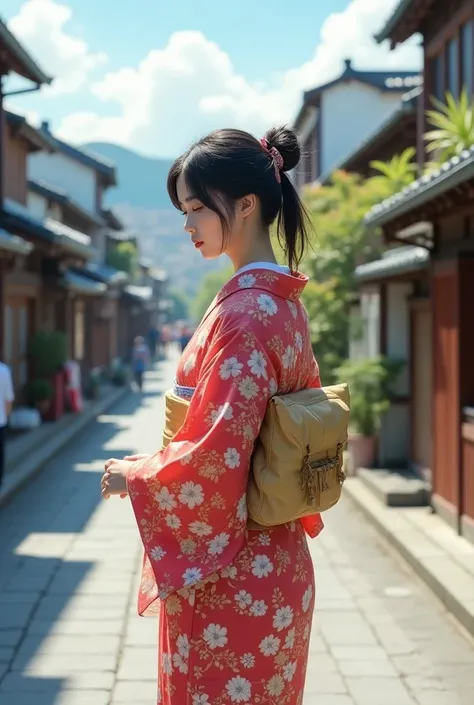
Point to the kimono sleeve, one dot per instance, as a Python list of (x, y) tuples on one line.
[(190, 499)]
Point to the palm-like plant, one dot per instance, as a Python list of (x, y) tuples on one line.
[(397, 173), (454, 127)]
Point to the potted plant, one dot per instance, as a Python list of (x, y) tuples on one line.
[(370, 383), (39, 393), (48, 353)]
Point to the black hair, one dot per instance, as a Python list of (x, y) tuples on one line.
[(227, 165)]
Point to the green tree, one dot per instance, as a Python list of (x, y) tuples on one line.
[(179, 310), (341, 242), (397, 173), (124, 257), (210, 285), (454, 127)]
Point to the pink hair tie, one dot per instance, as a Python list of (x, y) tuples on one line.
[(277, 159)]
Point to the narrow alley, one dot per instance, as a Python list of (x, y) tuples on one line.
[(69, 634)]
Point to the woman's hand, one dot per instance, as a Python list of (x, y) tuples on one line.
[(114, 479), (138, 456)]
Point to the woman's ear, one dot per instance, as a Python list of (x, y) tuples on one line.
[(247, 205)]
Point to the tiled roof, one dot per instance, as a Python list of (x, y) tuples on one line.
[(94, 161), (104, 273), (452, 173), (59, 195), (13, 243), (385, 81), (50, 230), (35, 137), (81, 284), (23, 63), (409, 13), (400, 260)]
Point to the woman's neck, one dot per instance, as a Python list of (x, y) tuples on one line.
[(260, 251)]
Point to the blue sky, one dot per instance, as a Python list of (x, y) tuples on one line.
[(153, 75)]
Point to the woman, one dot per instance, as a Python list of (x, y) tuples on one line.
[(235, 604)]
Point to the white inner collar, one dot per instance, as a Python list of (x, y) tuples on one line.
[(272, 266)]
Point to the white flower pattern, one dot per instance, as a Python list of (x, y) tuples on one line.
[(235, 605)]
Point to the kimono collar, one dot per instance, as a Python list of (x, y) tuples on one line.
[(286, 286)]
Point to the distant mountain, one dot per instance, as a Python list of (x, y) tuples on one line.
[(142, 202), (141, 180)]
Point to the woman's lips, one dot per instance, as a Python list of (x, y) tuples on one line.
[(198, 244)]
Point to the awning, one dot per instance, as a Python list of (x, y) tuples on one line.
[(103, 273), (401, 260), (73, 281), (72, 240), (13, 243), (140, 293), (52, 231)]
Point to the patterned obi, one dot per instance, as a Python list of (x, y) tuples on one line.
[(183, 392)]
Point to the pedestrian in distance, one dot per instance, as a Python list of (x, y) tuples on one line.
[(235, 600), (7, 398), (140, 360)]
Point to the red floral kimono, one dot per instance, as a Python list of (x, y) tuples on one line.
[(235, 606)]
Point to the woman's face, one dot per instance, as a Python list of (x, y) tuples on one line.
[(203, 225)]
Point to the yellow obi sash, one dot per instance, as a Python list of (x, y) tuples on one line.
[(176, 409)]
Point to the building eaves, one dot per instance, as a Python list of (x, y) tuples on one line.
[(49, 230), (102, 166), (36, 138), (384, 81), (81, 284), (104, 273), (404, 21), (112, 219), (451, 174), (396, 262), (18, 58), (55, 194), (13, 243)]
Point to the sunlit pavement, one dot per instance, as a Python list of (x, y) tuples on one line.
[(69, 633)]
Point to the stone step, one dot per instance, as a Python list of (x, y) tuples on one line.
[(396, 488)]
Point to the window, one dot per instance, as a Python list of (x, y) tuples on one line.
[(437, 77), (453, 67), (467, 56)]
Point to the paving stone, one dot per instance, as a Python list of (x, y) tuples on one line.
[(315, 699), (16, 682), (324, 684), (61, 644), (345, 628), (99, 627), (61, 697), (359, 653), (15, 616), (379, 691), (6, 653), (45, 665), (137, 664), (134, 692), (377, 669), (10, 637)]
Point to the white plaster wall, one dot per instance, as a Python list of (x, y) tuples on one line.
[(37, 205), (78, 180), (350, 112)]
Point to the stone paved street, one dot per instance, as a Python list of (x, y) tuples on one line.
[(69, 634)]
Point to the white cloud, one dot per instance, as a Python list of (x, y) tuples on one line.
[(40, 26), (189, 87)]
